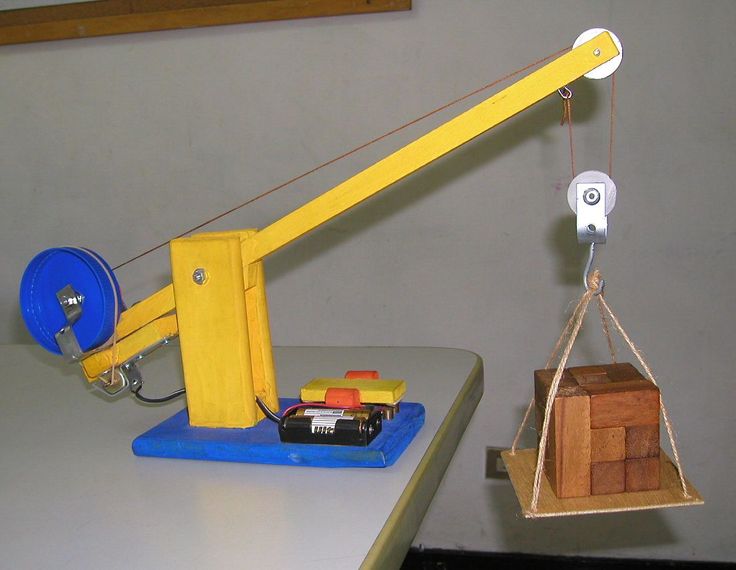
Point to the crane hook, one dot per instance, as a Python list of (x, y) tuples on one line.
[(586, 273)]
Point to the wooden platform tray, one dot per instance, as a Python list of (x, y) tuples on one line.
[(521, 468)]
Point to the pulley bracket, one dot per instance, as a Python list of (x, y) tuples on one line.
[(592, 196)]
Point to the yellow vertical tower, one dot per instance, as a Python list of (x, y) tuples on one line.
[(223, 328)]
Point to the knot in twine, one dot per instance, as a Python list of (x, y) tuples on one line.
[(595, 282)]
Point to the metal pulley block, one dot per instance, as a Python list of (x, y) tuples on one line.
[(592, 196)]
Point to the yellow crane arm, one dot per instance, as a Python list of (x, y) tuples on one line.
[(433, 145)]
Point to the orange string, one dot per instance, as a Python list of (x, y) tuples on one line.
[(567, 118), (611, 132)]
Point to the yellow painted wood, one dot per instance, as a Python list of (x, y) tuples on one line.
[(383, 391), (138, 328), (213, 330), (142, 313), (433, 145), (126, 348), (261, 350), (521, 468)]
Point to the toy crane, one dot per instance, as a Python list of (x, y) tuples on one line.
[(216, 303)]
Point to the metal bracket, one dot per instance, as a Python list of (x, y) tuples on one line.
[(592, 196), (125, 376), (592, 221), (71, 304)]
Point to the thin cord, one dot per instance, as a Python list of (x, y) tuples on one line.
[(564, 335), (567, 118), (569, 134), (606, 329), (346, 154), (147, 400), (650, 375), (611, 131), (583, 307)]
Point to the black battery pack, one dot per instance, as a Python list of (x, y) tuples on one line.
[(331, 426)]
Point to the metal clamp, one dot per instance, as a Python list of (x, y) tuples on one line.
[(71, 303), (125, 376)]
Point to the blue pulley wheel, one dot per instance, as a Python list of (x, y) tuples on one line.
[(89, 276)]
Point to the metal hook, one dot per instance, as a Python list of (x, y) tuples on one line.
[(565, 92), (586, 272)]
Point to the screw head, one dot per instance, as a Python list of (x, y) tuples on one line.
[(199, 276), (596, 52), (591, 196)]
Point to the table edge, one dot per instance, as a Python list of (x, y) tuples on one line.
[(395, 538)]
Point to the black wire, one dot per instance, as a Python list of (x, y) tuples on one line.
[(161, 400), (266, 410)]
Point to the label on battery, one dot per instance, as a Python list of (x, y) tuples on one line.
[(324, 420)]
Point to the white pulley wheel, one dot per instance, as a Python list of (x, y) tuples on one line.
[(592, 177), (606, 69)]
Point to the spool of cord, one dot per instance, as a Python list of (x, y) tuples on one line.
[(89, 276)]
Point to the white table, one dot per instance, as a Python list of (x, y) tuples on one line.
[(73, 495)]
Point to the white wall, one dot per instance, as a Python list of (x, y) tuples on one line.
[(120, 143)]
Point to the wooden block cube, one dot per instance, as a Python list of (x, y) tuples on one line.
[(642, 474), (607, 477), (604, 430), (642, 441), (607, 444)]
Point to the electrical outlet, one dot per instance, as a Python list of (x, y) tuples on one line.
[(495, 467)]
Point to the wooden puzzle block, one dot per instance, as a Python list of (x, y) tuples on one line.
[(642, 474), (630, 405), (604, 429), (642, 441), (567, 461), (608, 444), (589, 375), (607, 477)]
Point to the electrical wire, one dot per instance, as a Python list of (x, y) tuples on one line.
[(161, 400), (290, 409), (267, 411)]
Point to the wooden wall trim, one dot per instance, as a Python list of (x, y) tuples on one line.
[(108, 17)]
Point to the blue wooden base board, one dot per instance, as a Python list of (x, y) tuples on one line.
[(175, 438)]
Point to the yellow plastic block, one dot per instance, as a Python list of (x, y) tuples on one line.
[(371, 391)]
